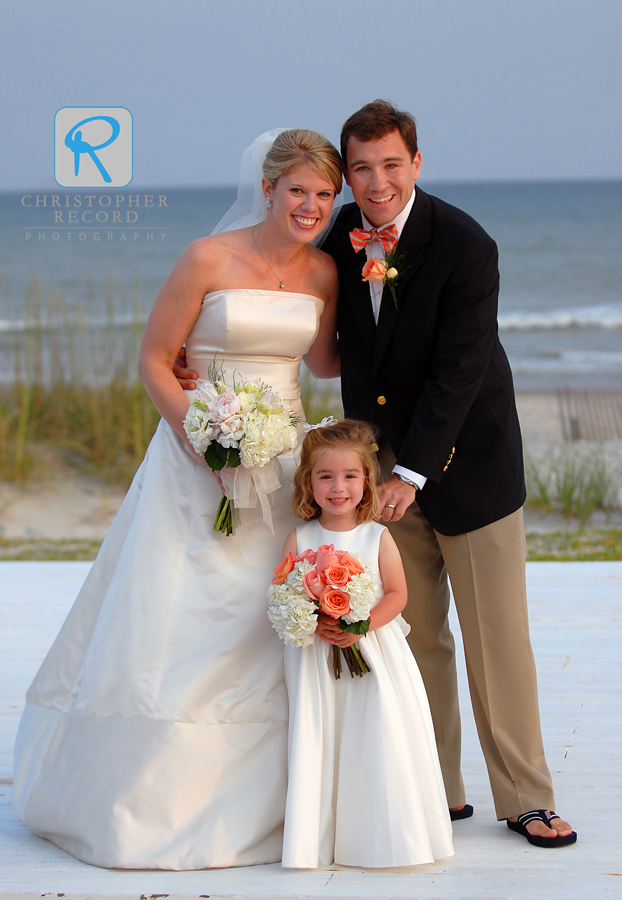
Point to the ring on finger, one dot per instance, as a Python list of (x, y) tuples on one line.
[(390, 505)]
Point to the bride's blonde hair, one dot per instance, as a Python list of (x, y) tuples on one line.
[(300, 145), (348, 434)]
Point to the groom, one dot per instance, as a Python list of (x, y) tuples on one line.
[(424, 365)]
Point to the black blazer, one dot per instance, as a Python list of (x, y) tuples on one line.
[(432, 375)]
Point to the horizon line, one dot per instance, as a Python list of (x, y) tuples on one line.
[(56, 189)]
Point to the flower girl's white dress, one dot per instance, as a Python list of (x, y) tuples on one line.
[(155, 733), (365, 785)]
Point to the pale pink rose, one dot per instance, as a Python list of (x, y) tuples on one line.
[(335, 603), (309, 555), (225, 405), (283, 569), (313, 583), (337, 575), (374, 270), (231, 431), (325, 557), (351, 562)]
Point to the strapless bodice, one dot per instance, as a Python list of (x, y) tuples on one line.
[(256, 334)]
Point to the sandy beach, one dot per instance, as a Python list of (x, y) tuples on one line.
[(73, 506)]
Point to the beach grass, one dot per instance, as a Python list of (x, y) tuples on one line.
[(70, 397), (572, 480), (102, 431), (47, 549), (70, 394), (588, 545)]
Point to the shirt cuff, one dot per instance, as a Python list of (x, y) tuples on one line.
[(419, 480)]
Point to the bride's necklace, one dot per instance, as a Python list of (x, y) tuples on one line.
[(281, 281)]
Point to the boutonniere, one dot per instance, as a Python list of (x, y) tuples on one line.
[(387, 270)]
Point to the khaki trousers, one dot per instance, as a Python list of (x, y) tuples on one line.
[(486, 568)]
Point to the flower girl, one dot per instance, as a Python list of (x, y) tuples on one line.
[(364, 786)]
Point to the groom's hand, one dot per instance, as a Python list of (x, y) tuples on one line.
[(186, 377), (395, 498)]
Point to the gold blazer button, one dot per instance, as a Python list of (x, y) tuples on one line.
[(382, 400)]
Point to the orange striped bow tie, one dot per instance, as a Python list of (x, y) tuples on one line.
[(387, 236)]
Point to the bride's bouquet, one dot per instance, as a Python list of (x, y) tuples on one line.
[(243, 426), (334, 582)]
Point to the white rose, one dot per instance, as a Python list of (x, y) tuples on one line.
[(206, 393), (231, 431), (247, 402)]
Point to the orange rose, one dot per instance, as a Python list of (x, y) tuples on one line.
[(306, 554), (313, 583), (325, 557), (374, 270), (352, 564), (283, 569), (337, 575), (335, 603)]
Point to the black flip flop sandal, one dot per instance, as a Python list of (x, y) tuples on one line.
[(541, 815)]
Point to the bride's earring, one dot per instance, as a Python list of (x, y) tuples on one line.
[(269, 202)]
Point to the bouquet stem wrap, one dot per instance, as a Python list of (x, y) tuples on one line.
[(245, 487)]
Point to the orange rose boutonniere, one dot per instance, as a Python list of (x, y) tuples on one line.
[(391, 267)]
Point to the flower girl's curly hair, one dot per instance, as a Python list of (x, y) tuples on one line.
[(352, 435)]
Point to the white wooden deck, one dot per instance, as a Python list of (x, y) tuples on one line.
[(576, 609)]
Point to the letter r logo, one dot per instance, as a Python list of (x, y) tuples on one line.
[(93, 146)]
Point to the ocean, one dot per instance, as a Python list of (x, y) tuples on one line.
[(560, 246)]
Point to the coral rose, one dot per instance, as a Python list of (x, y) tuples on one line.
[(335, 603), (309, 555), (374, 270), (325, 557), (352, 564), (283, 569), (337, 575), (313, 583)]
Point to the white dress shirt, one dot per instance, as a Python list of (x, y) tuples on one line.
[(375, 250)]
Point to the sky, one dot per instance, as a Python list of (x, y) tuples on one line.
[(501, 89)]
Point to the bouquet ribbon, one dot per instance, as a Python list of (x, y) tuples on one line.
[(247, 486)]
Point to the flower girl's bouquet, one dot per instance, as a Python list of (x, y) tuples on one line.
[(334, 582), (241, 427)]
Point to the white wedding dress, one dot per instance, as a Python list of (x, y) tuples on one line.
[(155, 733), (365, 785)]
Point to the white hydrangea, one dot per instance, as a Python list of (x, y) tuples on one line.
[(199, 427), (292, 613), (361, 589), (266, 436)]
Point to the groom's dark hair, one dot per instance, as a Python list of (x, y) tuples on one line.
[(376, 119)]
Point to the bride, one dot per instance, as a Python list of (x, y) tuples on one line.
[(155, 732)]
